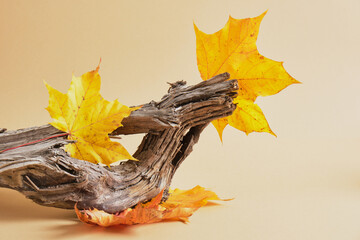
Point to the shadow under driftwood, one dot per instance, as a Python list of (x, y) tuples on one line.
[(15, 207)]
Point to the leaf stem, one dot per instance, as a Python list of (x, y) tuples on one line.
[(36, 141)]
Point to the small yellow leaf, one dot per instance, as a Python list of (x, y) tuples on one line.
[(88, 118), (193, 198), (248, 117), (233, 49), (180, 205)]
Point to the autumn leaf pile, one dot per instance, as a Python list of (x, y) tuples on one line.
[(179, 207), (88, 118)]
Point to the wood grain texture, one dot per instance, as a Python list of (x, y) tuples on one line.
[(46, 174)]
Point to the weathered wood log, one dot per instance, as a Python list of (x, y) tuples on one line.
[(45, 173)]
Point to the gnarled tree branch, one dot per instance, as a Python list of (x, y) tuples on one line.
[(46, 174)]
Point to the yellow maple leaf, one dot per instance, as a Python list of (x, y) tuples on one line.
[(248, 117), (233, 50), (88, 119), (180, 205)]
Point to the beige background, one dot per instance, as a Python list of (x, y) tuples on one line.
[(304, 184)]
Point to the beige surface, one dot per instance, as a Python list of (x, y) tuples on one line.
[(305, 184)]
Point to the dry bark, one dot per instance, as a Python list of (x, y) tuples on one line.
[(46, 174)]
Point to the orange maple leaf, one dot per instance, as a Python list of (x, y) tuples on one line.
[(88, 119), (180, 205), (233, 50)]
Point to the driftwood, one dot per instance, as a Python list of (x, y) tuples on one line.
[(45, 173)]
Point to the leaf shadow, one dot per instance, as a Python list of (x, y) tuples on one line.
[(77, 228)]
